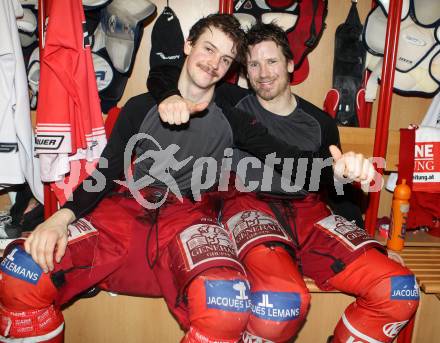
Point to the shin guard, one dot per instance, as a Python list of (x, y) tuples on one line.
[(387, 298), (279, 297), (26, 301)]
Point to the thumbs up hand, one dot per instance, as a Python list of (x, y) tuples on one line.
[(176, 110), (352, 166)]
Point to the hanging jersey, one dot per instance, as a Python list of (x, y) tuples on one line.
[(16, 138), (69, 121)]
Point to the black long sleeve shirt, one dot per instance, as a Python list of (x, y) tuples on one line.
[(207, 135)]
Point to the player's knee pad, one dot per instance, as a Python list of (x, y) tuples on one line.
[(23, 284), (382, 309), (218, 302), (381, 313), (395, 297), (279, 297), (26, 301)]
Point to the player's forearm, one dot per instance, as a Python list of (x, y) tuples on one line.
[(63, 216)]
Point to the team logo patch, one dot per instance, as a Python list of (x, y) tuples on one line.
[(345, 231), (392, 329), (80, 230), (404, 288), (276, 306), (227, 295), (249, 226), (19, 264), (206, 242)]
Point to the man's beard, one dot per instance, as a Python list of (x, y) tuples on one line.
[(272, 93), (266, 95)]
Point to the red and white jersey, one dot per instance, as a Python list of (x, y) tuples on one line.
[(17, 160), (69, 120)]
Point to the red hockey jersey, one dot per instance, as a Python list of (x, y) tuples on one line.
[(69, 120)]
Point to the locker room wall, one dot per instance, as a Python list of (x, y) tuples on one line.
[(405, 110)]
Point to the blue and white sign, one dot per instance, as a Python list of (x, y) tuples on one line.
[(404, 288), (276, 306), (18, 263), (227, 295)]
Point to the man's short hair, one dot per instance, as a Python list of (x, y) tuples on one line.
[(261, 32), (226, 23)]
